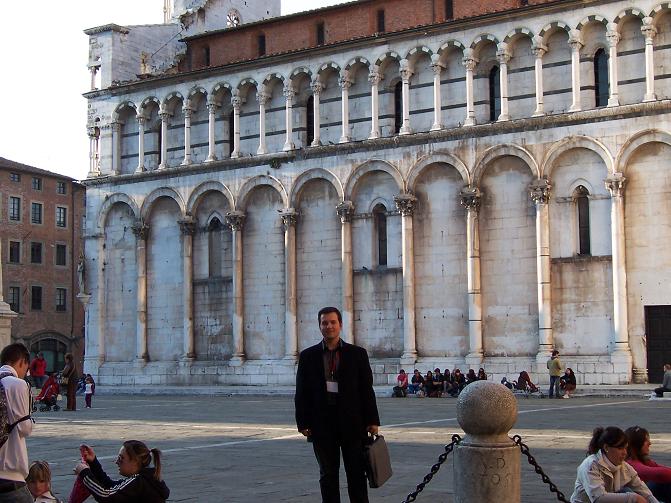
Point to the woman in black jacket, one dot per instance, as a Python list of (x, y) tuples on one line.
[(142, 483)]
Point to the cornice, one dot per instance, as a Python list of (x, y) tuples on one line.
[(105, 28)]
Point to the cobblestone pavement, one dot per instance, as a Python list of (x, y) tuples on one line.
[(246, 449)]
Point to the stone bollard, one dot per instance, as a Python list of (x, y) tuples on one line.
[(486, 461)]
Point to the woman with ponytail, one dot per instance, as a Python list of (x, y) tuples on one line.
[(604, 476), (142, 482)]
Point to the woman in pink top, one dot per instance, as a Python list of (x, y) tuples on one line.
[(657, 477)]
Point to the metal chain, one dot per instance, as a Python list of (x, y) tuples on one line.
[(434, 469), (532, 461)]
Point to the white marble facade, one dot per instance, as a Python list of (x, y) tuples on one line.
[(217, 226)]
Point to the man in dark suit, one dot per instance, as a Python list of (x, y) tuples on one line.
[(335, 407)]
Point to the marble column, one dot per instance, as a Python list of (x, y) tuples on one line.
[(141, 121), (345, 83), (165, 118), (575, 41), (374, 78), (469, 61), (539, 191), (503, 56), (538, 48), (289, 217), (406, 73), (406, 204), (649, 31), (470, 199), (141, 231), (188, 229), (621, 351), (116, 148), (345, 211), (613, 37), (236, 102), (437, 68), (211, 123), (94, 167), (289, 94), (235, 220), (262, 97), (317, 87), (187, 133)]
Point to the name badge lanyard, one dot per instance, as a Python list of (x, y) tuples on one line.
[(334, 359)]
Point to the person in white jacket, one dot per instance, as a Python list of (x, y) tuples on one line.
[(15, 361), (604, 476)]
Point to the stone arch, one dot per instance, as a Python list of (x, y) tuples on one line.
[(110, 202), (497, 151), (637, 140), (197, 90), (273, 76), (204, 188), (247, 81), (633, 11), (313, 174), (169, 97), (149, 201), (420, 49), (517, 32), (119, 108), (49, 334), (368, 167), (550, 28), (451, 43), (249, 185), (329, 65), (387, 55), (662, 7), (355, 61), (594, 18), (147, 101), (482, 39), (302, 70), (576, 142), (218, 88), (436, 158), (578, 182)]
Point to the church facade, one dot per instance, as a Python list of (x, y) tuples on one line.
[(471, 188)]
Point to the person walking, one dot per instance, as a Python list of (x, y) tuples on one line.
[(555, 367), (15, 360), (69, 380), (38, 370), (336, 407), (666, 383)]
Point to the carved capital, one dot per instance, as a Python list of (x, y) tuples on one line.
[(289, 217), (345, 82), (235, 220), (612, 35), (615, 184), (288, 91), (116, 126), (345, 211), (437, 68), (539, 191), (187, 226), (470, 198), (91, 132), (648, 29), (141, 230), (165, 116), (374, 77), (316, 87), (406, 204), (187, 112), (470, 63), (538, 48), (406, 73), (262, 97), (503, 54), (236, 102), (212, 108), (575, 40)]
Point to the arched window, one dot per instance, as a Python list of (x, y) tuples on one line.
[(582, 204), (53, 351), (398, 106), (601, 78), (380, 219), (214, 247), (231, 132), (309, 120), (494, 94)]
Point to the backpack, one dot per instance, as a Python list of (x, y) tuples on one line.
[(5, 426)]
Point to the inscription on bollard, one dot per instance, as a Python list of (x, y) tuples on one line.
[(492, 471)]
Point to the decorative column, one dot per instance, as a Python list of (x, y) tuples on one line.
[(613, 38), (187, 133), (345, 211), (141, 121), (289, 94), (469, 62), (437, 68), (539, 190), (649, 31), (345, 84), (406, 204), (188, 228), (317, 87), (575, 41), (235, 220), (116, 147), (538, 48), (165, 117), (374, 78), (289, 217), (262, 96), (94, 167), (211, 122), (470, 199), (503, 56), (406, 73), (141, 231), (621, 352), (236, 101)]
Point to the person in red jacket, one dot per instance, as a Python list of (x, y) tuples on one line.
[(657, 477), (49, 393), (38, 370)]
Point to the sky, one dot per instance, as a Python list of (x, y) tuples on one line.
[(44, 56)]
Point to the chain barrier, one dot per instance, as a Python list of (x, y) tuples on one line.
[(434, 469), (532, 461)]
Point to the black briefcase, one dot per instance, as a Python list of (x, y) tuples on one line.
[(378, 463)]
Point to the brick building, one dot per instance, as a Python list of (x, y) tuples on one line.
[(41, 218), (474, 183)]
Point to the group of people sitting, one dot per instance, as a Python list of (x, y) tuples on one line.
[(567, 383), (435, 384), (619, 468)]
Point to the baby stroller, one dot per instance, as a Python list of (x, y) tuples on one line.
[(48, 397)]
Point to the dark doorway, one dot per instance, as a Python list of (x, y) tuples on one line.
[(658, 335), (53, 350)]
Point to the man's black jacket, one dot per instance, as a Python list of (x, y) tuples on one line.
[(356, 406)]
